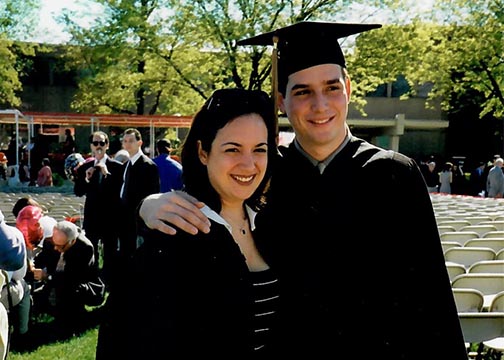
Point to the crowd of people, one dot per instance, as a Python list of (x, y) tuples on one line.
[(247, 260), (67, 267), (485, 180)]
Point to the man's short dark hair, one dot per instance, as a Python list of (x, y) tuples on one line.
[(163, 146)]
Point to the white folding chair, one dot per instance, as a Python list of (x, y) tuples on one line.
[(454, 269), (499, 255), (459, 236), (445, 228), (457, 224), (468, 255), (441, 218), (488, 284), (482, 326), (480, 229), (468, 300), (492, 267), (496, 244), (499, 224), (497, 306), (475, 220), (449, 244), (493, 234)]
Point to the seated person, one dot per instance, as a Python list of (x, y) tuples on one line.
[(23, 202), (69, 281), (15, 297), (12, 246), (12, 258), (42, 256)]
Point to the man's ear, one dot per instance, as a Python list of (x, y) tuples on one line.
[(202, 154), (280, 102), (348, 85)]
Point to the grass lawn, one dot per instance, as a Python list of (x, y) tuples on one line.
[(43, 343), (81, 347)]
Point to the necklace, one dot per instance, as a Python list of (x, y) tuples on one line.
[(243, 228)]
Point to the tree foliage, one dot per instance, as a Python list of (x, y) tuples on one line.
[(467, 54), (167, 57), (16, 20)]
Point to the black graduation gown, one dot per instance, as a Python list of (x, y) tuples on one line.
[(359, 258)]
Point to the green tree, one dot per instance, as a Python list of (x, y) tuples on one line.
[(460, 54), (166, 57), (16, 20)]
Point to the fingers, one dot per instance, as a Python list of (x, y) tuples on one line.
[(163, 211), (37, 274)]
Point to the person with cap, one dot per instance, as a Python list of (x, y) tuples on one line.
[(170, 171), (349, 227)]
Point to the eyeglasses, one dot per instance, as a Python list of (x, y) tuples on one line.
[(61, 247), (96, 143)]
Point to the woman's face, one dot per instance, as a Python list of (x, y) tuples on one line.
[(237, 161)]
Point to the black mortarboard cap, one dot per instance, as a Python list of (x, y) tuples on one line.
[(307, 43)]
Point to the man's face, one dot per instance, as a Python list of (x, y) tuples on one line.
[(99, 146), (60, 241), (131, 144), (316, 103)]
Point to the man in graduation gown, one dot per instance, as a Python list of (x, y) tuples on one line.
[(349, 227)]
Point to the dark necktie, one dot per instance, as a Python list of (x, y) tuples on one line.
[(126, 180)]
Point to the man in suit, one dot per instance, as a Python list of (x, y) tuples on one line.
[(100, 180), (70, 282), (141, 178)]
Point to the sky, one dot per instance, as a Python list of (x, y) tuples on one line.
[(49, 31)]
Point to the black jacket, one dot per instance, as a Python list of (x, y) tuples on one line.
[(101, 208), (359, 259), (143, 180), (187, 297)]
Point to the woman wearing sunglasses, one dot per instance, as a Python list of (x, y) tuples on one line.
[(212, 294)]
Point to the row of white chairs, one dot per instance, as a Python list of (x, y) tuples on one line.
[(462, 236), (496, 244), (466, 223), (468, 256), (59, 206), (479, 326), (470, 220)]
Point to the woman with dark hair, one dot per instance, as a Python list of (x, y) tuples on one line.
[(209, 294)]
